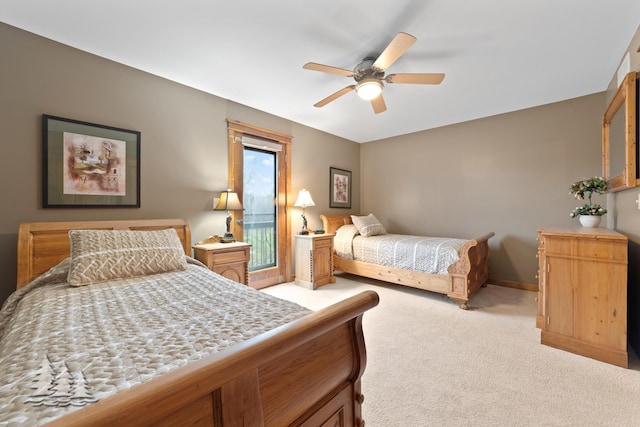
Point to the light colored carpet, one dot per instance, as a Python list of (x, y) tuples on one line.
[(431, 364)]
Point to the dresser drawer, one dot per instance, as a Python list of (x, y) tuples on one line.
[(323, 242), (227, 257), (602, 249), (585, 248)]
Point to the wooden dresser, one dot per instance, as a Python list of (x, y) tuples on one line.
[(582, 300)]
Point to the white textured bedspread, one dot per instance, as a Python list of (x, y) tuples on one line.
[(426, 254), (62, 347)]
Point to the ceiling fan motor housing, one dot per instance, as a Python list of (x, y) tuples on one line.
[(364, 70)]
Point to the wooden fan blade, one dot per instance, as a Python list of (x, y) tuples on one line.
[(327, 69), (378, 104), (334, 96), (422, 79), (399, 45)]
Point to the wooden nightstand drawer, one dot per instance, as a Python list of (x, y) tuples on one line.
[(226, 257), (322, 241), (230, 260)]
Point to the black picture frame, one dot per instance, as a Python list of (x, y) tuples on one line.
[(88, 165), (339, 188)]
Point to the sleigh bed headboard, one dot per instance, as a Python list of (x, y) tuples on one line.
[(41, 245), (331, 223)]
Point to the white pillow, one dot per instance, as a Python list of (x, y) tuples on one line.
[(101, 255), (368, 225), (348, 231)]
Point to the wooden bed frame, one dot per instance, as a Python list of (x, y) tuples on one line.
[(465, 276), (304, 373)]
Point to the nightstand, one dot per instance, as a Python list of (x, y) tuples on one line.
[(314, 260), (230, 260)]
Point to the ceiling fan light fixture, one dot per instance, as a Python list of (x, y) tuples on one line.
[(369, 89)]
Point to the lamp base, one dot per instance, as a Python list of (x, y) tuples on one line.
[(304, 232), (227, 238)]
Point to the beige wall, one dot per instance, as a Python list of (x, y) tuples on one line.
[(183, 148), (625, 217), (312, 157), (509, 174)]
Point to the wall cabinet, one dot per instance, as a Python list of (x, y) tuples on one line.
[(314, 260), (582, 301)]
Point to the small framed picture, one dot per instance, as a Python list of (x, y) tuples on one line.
[(89, 165), (340, 188)]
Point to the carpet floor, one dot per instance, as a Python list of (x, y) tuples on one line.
[(430, 363)]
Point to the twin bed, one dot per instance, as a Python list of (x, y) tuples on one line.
[(454, 267), (113, 325)]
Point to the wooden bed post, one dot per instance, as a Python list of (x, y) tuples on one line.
[(361, 356), (238, 402), (471, 271)]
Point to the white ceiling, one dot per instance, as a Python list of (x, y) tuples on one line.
[(498, 55)]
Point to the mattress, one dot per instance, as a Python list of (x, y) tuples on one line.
[(64, 347), (418, 253)]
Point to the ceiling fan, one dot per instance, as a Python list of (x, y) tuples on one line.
[(369, 74)]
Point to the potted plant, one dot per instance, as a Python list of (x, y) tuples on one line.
[(589, 214)]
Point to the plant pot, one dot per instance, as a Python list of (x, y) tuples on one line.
[(590, 220)]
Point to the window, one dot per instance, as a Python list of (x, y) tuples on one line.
[(260, 212)]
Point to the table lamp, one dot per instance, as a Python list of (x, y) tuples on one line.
[(304, 200), (228, 202)]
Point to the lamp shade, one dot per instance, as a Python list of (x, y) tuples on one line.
[(229, 201), (369, 89), (304, 199)]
